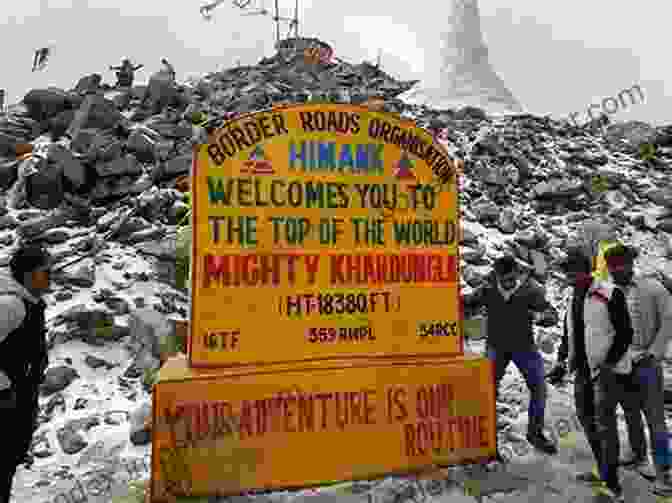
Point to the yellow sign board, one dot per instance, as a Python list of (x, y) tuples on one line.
[(226, 431), (323, 231)]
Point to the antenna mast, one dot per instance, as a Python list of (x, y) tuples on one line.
[(276, 18), (296, 18)]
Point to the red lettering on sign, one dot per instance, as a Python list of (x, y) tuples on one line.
[(192, 422), (258, 269), (306, 413), (369, 403), (409, 440), (435, 401), (449, 434), (398, 397), (288, 409), (404, 268)]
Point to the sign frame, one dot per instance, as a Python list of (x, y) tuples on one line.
[(196, 168)]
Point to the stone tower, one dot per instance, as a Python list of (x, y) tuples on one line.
[(466, 76)]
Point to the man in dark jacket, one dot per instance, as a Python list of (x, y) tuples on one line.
[(510, 298), (572, 354), (23, 355)]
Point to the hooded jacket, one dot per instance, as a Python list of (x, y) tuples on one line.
[(20, 312)]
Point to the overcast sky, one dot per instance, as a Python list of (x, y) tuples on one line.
[(556, 57)]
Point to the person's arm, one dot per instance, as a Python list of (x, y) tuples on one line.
[(664, 306), (42, 356), (563, 349), (12, 313), (620, 319), (115, 68), (560, 369), (136, 68)]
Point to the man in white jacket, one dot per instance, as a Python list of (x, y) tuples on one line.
[(608, 335), (23, 355)]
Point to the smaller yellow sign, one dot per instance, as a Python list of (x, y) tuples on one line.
[(284, 426)]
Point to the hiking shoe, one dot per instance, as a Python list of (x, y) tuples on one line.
[(646, 470), (540, 442), (614, 493), (663, 485), (592, 477)]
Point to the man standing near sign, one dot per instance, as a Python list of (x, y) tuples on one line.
[(572, 357), (649, 306), (510, 299)]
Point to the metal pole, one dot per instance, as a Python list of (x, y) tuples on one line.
[(277, 22), (296, 19)]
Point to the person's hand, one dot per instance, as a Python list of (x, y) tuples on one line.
[(557, 374), (548, 318)]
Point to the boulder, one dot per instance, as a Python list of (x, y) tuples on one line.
[(149, 329), (8, 173), (662, 197), (143, 144), (73, 170), (70, 438), (45, 187), (43, 104), (178, 165), (58, 125), (88, 84), (126, 165), (103, 114), (57, 379), (8, 144), (161, 91), (665, 225)]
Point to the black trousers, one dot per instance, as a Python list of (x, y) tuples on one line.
[(10, 419), (584, 401), (610, 390), (19, 425)]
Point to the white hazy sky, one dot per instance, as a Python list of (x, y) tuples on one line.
[(556, 57)]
